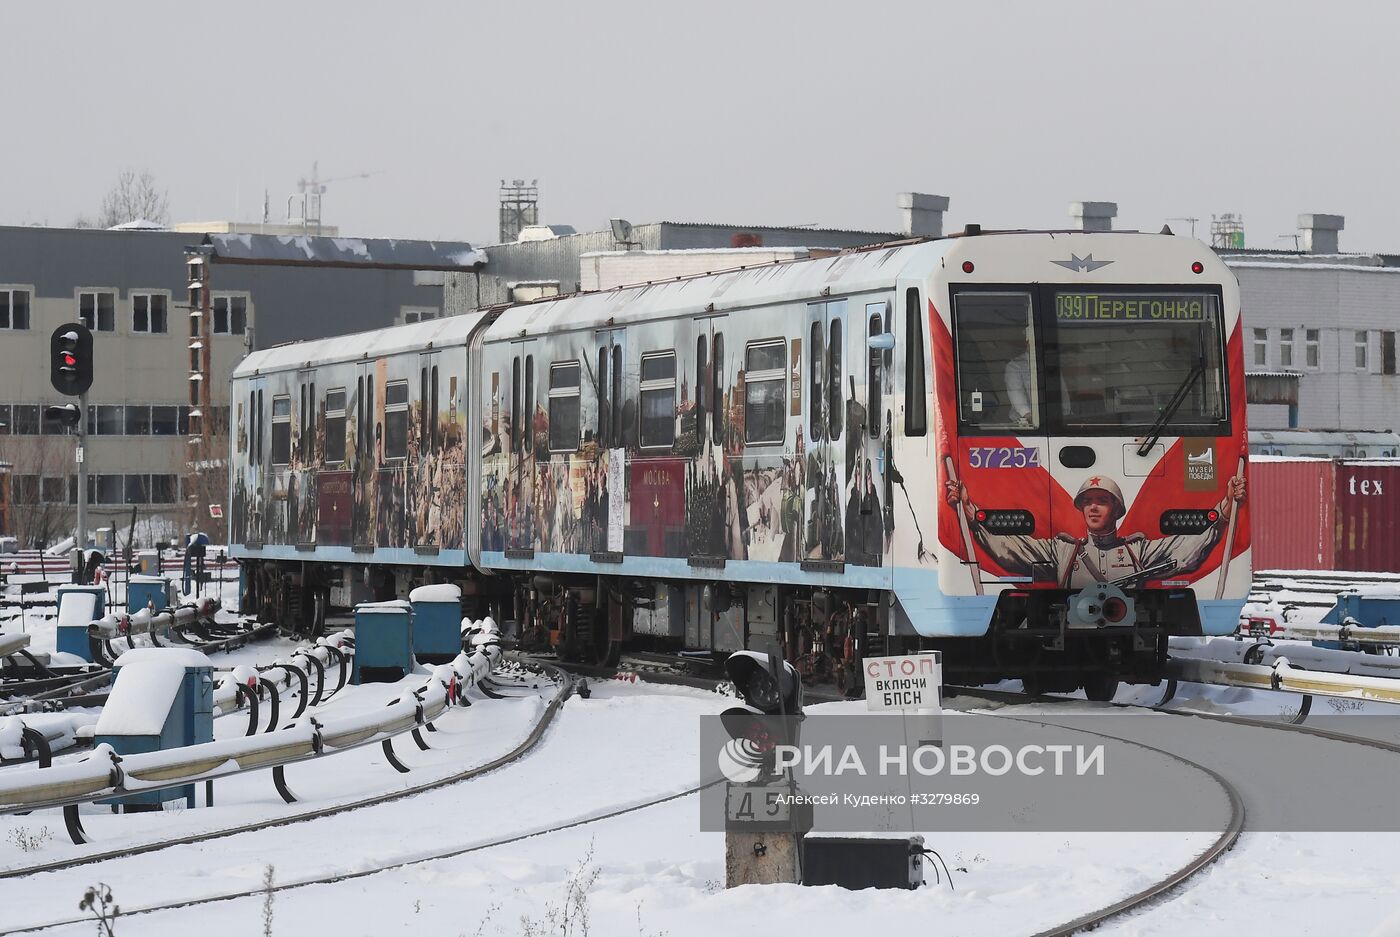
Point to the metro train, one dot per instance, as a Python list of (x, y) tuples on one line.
[(1025, 449)]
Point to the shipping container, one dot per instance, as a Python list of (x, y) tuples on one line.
[(1291, 508), (1325, 514), (1368, 516)]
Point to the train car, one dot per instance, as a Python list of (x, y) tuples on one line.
[(1024, 448), (1325, 443)]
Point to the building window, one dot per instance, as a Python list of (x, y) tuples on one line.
[(658, 393), (14, 309), (55, 489), (1387, 352), (563, 406), (26, 419), (6, 417), (165, 421), (97, 311), (281, 430), (1261, 348), (765, 382), (335, 425), (106, 489), (1285, 348), (396, 420), (1312, 348), (230, 315), (111, 421), (164, 489), (148, 313), (138, 489), (25, 489), (138, 420), (1362, 347), (419, 315)]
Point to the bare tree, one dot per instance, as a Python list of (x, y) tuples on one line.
[(36, 513), (134, 197)]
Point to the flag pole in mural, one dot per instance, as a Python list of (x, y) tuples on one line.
[(966, 532), (1230, 531)]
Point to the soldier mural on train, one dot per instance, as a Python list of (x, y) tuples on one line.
[(1103, 554)]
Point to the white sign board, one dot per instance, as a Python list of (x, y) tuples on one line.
[(909, 682)]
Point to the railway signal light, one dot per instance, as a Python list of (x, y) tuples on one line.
[(68, 414), (70, 359)]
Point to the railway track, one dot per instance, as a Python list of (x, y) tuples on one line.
[(565, 688)]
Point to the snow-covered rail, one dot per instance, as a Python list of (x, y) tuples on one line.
[(104, 774), (1281, 675)]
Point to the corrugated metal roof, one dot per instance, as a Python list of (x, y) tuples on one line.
[(367, 253)]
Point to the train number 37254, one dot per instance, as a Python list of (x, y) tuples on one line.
[(1013, 457)]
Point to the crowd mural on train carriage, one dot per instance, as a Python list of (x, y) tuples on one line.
[(417, 498), (738, 501)]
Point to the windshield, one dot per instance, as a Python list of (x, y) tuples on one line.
[(1122, 357), (998, 374)]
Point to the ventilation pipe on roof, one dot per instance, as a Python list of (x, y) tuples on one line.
[(922, 215), (1320, 232), (1093, 216)]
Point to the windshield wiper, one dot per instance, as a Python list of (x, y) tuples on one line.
[(1155, 433)]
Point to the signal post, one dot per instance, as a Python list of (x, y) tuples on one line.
[(70, 373)]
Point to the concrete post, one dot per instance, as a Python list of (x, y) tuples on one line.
[(761, 859)]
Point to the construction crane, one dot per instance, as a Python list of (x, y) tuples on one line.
[(311, 191)]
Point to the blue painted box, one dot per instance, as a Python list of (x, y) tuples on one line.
[(162, 698), (155, 591), (1369, 611), (383, 642), (437, 622), (78, 607)]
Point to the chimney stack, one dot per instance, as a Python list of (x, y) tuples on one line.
[(922, 214), (1320, 232), (1093, 216)]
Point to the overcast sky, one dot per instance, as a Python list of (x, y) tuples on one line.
[(752, 113)]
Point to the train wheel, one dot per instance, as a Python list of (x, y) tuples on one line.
[(1101, 687)]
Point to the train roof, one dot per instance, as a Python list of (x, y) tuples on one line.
[(1323, 436), (417, 336)]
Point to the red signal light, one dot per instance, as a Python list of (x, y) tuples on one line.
[(981, 516), (69, 360), (1212, 515), (968, 267), (1197, 267)]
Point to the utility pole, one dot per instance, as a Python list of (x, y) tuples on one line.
[(81, 456)]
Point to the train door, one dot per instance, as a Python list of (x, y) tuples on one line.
[(426, 474), (366, 460), (867, 419), (520, 490), (823, 544), (605, 488)]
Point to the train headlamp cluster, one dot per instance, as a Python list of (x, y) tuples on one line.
[(1006, 522), (1192, 521)]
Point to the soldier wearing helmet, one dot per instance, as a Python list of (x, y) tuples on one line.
[(1103, 554)]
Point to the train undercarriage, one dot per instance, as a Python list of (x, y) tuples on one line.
[(823, 632)]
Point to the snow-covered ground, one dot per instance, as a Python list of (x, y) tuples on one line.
[(651, 871)]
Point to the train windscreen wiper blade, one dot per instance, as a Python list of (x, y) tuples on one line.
[(1155, 433)]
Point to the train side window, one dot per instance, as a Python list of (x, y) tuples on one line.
[(915, 377), (564, 406), (873, 377), (361, 433), (603, 385), (815, 358), (425, 442), (517, 416), (717, 388), (658, 399), (303, 438), (529, 403), (311, 422), (396, 420), (765, 385), (281, 430), (335, 425), (702, 384), (252, 424), (370, 437), (616, 396), (261, 420), (835, 406), (433, 412)]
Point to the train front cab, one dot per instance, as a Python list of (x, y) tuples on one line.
[(1088, 446)]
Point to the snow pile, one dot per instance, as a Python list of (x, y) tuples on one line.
[(145, 687), (393, 607), (79, 609), (439, 592)]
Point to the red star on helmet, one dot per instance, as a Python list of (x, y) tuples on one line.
[(1095, 480)]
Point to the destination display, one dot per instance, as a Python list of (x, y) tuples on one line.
[(1130, 307)]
